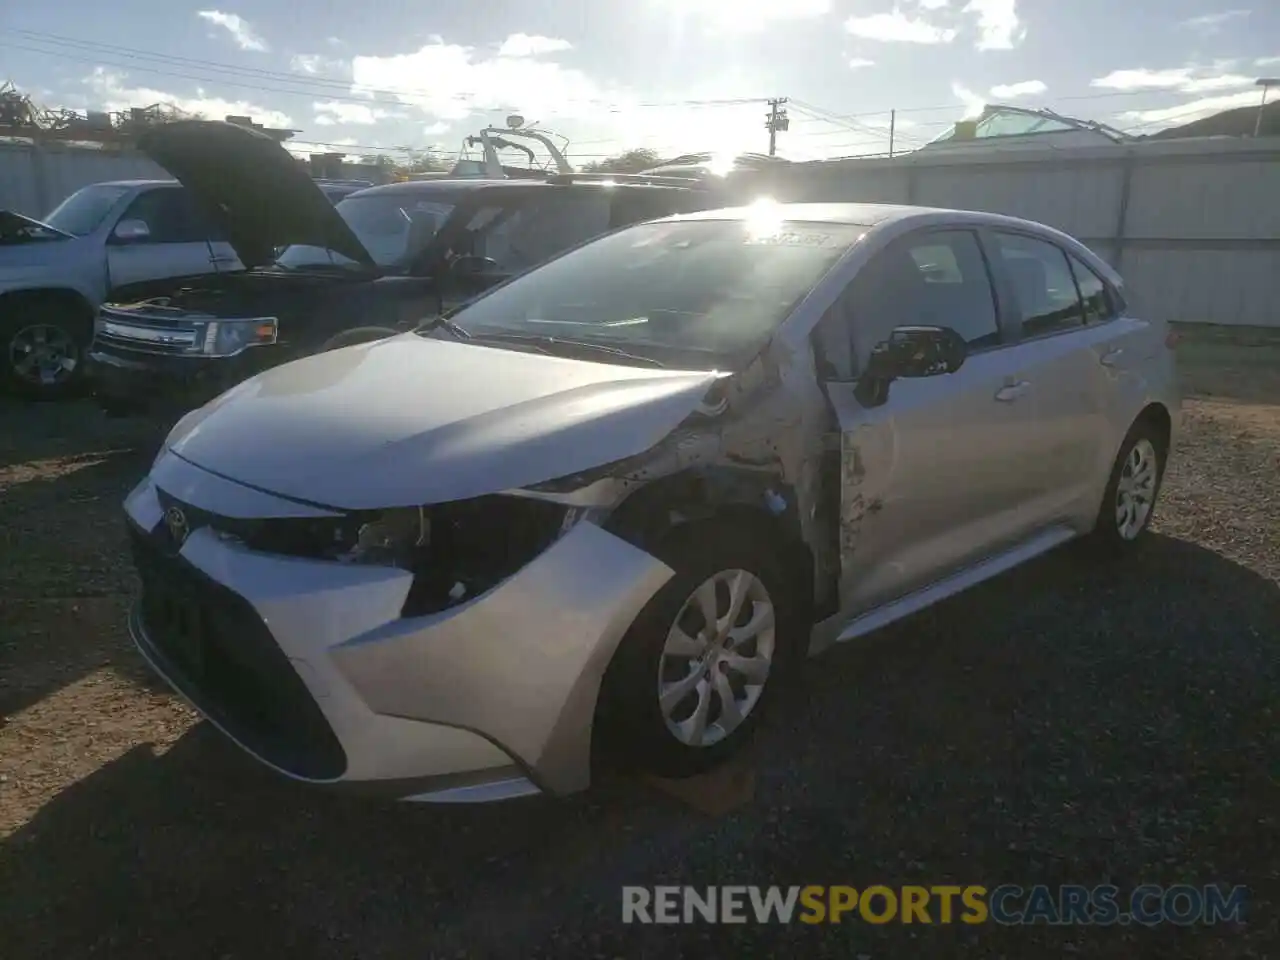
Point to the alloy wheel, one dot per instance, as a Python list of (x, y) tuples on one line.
[(717, 658), (43, 354), (1136, 491)]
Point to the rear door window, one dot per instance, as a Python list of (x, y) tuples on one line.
[(1045, 289)]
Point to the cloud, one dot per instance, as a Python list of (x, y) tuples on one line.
[(1024, 88), (857, 63), (435, 129), (1266, 61), (933, 4), (1192, 110), (898, 27), (317, 63), (1182, 79), (241, 32), (449, 82), (330, 113), (526, 45), (747, 15), (109, 92), (973, 102), (1213, 22), (998, 24)]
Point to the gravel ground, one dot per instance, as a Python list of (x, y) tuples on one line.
[(1067, 723)]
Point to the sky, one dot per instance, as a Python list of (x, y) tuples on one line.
[(675, 75)]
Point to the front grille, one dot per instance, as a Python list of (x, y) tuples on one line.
[(219, 653), (153, 331)]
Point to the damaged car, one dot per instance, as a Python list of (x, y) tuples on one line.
[(322, 275), (601, 512)]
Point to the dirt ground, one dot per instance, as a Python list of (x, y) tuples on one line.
[(1067, 723)]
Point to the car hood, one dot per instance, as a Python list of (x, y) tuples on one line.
[(258, 191), (13, 224), (412, 420)]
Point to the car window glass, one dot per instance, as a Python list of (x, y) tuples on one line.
[(83, 211), (544, 227), (170, 216), (937, 279), (1042, 283), (1093, 294)]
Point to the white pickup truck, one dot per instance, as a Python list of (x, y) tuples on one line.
[(105, 241)]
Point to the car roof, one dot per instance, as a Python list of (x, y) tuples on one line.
[(868, 215), (445, 186)]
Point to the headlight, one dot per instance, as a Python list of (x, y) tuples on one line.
[(455, 551), (223, 338)]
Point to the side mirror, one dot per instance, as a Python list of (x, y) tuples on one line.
[(470, 265), (910, 352), (131, 231)]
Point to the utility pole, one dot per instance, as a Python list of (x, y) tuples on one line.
[(776, 121), (1266, 84), (893, 123)]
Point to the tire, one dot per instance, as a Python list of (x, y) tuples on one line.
[(349, 338), (1142, 455), (43, 345), (633, 726)]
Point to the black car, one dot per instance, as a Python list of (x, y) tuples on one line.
[(321, 276)]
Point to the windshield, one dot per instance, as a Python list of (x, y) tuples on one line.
[(82, 212), (392, 227), (698, 288)]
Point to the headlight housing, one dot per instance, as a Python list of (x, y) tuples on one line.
[(455, 550), (225, 338)]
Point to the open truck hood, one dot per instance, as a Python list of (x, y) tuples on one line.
[(413, 420), (15, 229), (257, 190)]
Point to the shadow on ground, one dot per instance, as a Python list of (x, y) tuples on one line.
[(1068, 723), (64, 574)]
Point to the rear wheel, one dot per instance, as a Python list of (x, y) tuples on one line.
[(1130, 499), (694, 674), (44, 340), (349, 338)]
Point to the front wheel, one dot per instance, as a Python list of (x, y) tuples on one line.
[(694, 674), (44, 342), (1130, 499)]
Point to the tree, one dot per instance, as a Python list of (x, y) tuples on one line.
[(632, 161)]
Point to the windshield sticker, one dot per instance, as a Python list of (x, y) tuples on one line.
[(789, 238)]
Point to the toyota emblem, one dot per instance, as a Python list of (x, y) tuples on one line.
[(176, 522)]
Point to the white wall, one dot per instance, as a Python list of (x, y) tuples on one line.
[(34, 180)]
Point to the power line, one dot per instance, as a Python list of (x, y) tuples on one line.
[(308, 84)]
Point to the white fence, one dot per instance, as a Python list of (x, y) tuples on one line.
[(36, 178), (1194, 226)]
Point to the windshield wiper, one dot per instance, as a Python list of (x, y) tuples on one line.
[(549, 345), (442, 320)]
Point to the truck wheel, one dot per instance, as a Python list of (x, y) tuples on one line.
[(349, 338), (43, 342)]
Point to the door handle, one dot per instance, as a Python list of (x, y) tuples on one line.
[(1111, 357), (1013, 391)]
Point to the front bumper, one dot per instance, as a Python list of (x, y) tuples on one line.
[(309, 666), (158, 383)]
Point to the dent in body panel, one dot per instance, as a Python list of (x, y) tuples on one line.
[(759, 442)]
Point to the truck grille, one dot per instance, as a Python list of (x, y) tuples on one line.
[(213, 646), (150, 331)]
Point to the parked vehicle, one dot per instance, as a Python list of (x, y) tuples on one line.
[(382, 260), (336, 190), (115, 239), (612, 502)]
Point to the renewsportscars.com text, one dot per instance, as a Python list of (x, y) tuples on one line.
[(1008, 904)]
